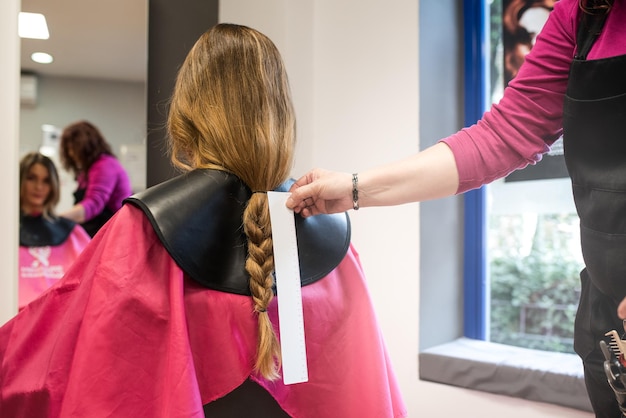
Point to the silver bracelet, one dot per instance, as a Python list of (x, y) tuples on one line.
[(355, 191)]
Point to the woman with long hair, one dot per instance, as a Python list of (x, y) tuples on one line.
[(172, 310), (49, 244)]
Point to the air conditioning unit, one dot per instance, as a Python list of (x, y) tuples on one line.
[(28, 90)]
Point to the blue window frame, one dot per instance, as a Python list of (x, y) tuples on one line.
[(476, 76)]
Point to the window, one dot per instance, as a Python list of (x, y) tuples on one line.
[(535, 374), (531, 252)]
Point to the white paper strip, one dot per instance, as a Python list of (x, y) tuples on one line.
[(287, 267)]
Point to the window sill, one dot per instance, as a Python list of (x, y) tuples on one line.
[(540, 376)]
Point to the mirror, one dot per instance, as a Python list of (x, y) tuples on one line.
[(99, 74)]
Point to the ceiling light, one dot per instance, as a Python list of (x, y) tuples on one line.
[(32, 25), (42, 57)]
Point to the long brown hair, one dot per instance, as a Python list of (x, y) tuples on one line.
[(231, 110), (52, 200), (82, 144)]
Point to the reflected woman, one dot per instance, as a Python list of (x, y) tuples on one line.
[(48, 244)]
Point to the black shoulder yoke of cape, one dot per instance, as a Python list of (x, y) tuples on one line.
[(198, 217), (38, 231)]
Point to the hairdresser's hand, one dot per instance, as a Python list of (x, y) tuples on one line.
[(621, 309), (321, 191)]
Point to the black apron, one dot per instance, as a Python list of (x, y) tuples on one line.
[(594, 140), (94, 224)]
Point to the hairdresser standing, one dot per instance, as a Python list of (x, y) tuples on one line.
[(102, 181)]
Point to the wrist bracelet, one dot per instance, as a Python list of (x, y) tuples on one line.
[(355, 191)]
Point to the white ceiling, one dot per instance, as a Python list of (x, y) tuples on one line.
[(104, 39)]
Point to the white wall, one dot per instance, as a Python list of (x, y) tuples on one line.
[(353, 66), (9, 120)]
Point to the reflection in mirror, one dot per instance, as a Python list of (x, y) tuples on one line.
[(98, 73)]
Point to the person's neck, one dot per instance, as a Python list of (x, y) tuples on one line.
[(32, 211)]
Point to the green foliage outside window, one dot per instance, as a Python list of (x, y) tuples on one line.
[(534, 279)]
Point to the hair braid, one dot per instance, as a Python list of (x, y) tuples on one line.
[(260, 265)]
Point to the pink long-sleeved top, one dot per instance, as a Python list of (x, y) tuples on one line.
[(107, 185), (519, 129)]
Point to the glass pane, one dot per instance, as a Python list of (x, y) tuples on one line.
[(533, 255)]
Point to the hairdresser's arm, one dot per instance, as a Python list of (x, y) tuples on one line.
[(515, 133), (427, 175), (76, 213), (100, 186), (98, 191)]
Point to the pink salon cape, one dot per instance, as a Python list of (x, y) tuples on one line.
[(126, 334), (41, 267)]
